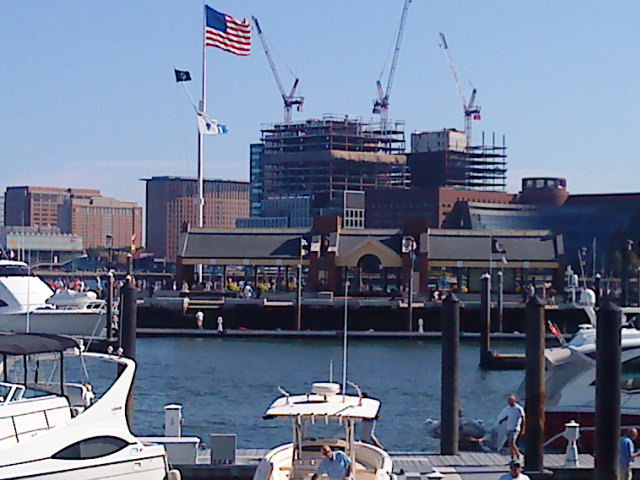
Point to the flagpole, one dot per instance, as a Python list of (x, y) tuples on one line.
[(203, 109)]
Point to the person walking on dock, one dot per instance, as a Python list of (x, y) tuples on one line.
[(335, 464), (628, 453), (514, 416), (515, 472), (200, 319)]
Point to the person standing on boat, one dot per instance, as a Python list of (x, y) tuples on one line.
[(335, 464), (514, 416), (515, 472), (628, 453)]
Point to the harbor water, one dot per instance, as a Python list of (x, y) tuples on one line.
[(226, 384)]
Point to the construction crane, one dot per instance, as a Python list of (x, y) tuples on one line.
[(471, 111), (291, 99), (381, 104)]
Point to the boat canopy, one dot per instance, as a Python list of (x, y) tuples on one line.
[(332, 406), (32, 343)]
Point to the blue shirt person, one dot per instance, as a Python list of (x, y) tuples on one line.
[(628, 453), (335, 464)]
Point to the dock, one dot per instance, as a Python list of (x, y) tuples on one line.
[(406, 466), (316, 334)]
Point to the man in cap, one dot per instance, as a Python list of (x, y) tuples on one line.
[(515, 472)]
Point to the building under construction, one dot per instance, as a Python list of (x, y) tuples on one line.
[(324, 158), (443, 159)]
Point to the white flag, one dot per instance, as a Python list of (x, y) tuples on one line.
[(209, 126)]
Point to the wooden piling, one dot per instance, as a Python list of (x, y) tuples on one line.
[(535, 387), (608, 364), (450, 398), (485, 321)]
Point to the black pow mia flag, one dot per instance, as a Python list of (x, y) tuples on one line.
[(182, 75), (497, 247)]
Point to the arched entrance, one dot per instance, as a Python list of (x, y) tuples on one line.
[(370, 274)]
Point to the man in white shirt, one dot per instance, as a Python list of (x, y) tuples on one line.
[(514, 416), (515, 472)]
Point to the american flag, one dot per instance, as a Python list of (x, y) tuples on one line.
[(227, 33)]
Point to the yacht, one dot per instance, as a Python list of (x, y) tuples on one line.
[(323, 417), (54, 428), (28, 304), (570, 384)]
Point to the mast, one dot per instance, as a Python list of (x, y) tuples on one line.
[(203, 109)]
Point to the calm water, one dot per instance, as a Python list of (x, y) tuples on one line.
[(226, 384)]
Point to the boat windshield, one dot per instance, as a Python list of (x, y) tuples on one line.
[(13, 270), (320, 430)]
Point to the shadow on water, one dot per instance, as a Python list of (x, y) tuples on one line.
[(226, 384)]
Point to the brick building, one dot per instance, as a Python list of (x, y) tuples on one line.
[(102, 221), (77, 211), (30, 206), (388, 208), (171, 206)]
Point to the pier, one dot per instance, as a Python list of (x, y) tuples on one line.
[(407, 466)]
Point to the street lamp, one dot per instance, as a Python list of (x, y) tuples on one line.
[(302, 253), (409, 246), (109, 242)]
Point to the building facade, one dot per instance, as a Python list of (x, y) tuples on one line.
[(102, 222), (171, 208), (99, 221), (44, 245), (31, 206), (389, 208)]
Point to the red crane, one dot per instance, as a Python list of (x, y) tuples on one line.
[(291, 99)]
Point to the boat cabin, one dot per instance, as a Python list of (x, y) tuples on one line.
[(323, 417), (34, 396)]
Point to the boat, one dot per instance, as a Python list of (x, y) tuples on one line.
[(325, 416), (570, 384), (54, 428), (29, 305)]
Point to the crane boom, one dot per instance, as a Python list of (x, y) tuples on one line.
[(289, 100), (471, 111), (381, 104)]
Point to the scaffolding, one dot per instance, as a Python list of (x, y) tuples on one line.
[(335, 132)]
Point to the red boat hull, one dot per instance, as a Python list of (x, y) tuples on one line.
[(555, 425)]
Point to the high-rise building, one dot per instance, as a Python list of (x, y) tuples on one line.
[(38, 206), (1, 210), (172, 202), (325, 157)]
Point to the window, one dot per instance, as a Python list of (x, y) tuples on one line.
[(631, 374), (91, 448)]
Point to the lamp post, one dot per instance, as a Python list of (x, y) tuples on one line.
[(109, 241), (409, 246), (303, 247)]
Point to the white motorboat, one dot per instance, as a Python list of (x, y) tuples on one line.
[(323, 417), (51, 428), (28, 304)]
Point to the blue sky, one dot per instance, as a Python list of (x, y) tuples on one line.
[(88, 96)]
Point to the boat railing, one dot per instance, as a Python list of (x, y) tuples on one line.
[(14, 392), (25, 424)]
